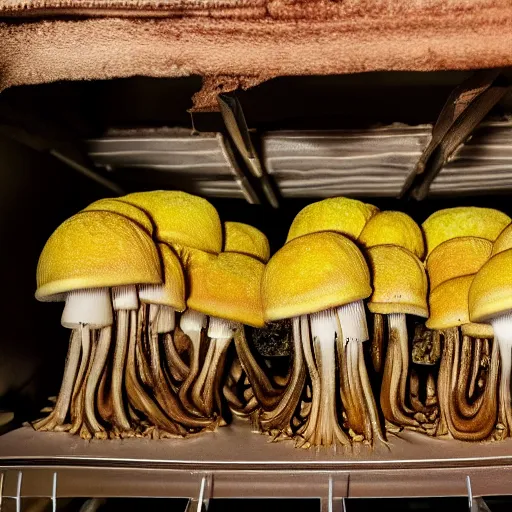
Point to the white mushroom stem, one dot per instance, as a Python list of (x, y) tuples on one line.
[(322, 427), (502, 326), (91, 307), (59, 414), (192, 323), (124, 300), (354, 331), (221, 333)]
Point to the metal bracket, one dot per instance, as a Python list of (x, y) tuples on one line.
[(236, 125), (203, 499)]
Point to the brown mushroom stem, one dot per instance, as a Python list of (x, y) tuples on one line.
[(466, 407), (207, 383), (178, 369), (55, 420), (192, 323), (371, 405), (352, 332), (100, 358), (280, 417), (475, 369), (77, 399), (265, 392), (322, 427), (377, 343), (234, 388), (396, 373), (163, 392), (480, 425), (137, 395), (104, 398), (119, 417)]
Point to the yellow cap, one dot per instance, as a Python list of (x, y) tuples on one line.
[(172, 291), (181, 218), (130, 211), (491, 291), (504, 241), (96, 249), (477, 330), (399, 281), (313, 273), (246, 239), (449, 303), (393, 228), (463, 221), (457, 257), (227, 286), (340, 214)]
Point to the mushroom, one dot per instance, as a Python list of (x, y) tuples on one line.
[(463, 221), (339, 214), (468, 409), (319, 280), (399, 289), (389, 228), (87, 255), (490, 301), (225, 289), (245, 239)]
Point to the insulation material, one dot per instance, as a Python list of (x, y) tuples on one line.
[(254, 39)]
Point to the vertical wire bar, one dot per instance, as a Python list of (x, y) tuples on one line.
[(18, 491), (54, 492), (470, 493), (1, 490), (329, 495)]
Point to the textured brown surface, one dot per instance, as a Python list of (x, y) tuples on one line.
[(241, 43)]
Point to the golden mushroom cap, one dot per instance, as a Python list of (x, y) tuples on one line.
[(463, 221), (477, 330), (181, 218), (393, 228), (132, 212), (339, 214), (313, 273), (96, 249), (399, 281), (457, 257), (449, 303), (504, 241), (491, 291), (246, 239), (227, 286), (174, 280)]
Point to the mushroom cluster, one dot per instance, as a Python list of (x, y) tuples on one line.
[(459, 244), (169, 310), (126, 268)]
